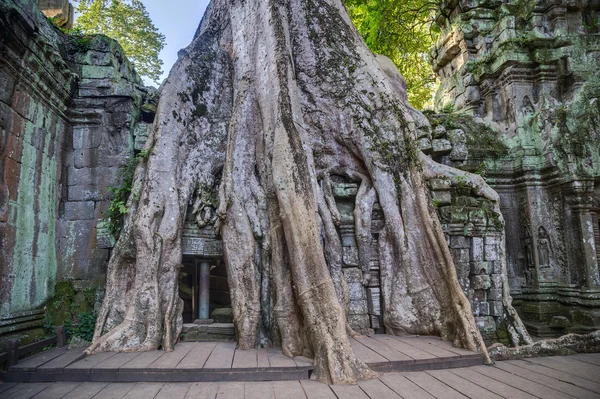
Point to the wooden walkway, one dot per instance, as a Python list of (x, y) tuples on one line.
[(221, 361), (548, 378)]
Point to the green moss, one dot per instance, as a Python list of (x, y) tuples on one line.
[(72, 309)]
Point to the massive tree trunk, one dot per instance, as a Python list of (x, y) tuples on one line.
[(272, 99)]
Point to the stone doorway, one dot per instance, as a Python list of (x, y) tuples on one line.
[(204, 289)]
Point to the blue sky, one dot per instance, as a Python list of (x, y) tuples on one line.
[(177, 20)]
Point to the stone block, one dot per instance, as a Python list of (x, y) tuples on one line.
[(481, 282), (7, 85), (350, 256), (353, 275), (496, 280), (87, 192), (359, 307), (99, 72), (477, 249), (494, 294), (461, 242), (359, 323), (356, 291), (485, 323), (86, 137), (459, 152), (481, 308), (496, 308), (441, 197), (374, 301), (86, 158), (424, 145), (460, 255), (491, 252), (560, 322), (441, 146), (79, 210), (439, 131), (462, 272), (375, 321), (496, 267), (478, 266), (457, 136)]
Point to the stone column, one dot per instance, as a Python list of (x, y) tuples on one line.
[(204, 290), (588, 246)]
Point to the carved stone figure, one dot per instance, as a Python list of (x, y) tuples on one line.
[(543, 248)]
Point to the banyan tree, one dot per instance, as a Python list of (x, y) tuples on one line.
[(272, 100)]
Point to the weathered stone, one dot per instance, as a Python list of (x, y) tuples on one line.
[(477, 249), (496, 308), (441, 146), (77, 342), (441, 197), (350, 256), (374, 301), (481, 282), (79, 210)]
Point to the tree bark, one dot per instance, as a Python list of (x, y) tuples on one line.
[(271, 99)]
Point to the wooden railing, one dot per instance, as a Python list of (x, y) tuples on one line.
[(17, 352)]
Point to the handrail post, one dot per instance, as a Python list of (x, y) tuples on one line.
[(61, 338), (13, 351)]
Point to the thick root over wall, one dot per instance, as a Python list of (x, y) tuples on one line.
[(272, 101)]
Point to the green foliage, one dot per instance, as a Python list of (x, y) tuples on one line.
[(72, 309), (117, 209), (128, 22), (404, 32), (84, 326)]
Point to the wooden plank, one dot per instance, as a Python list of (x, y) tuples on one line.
[(173, 390), (279, 360), (244, 359), (559, 375), (57, 390), (376, 389), (25, 391), (569, 365), (436, 388), (288, 390), (259, 390), (86, 390), (405, 387), (518, 382), (424, 343), (462, 385), (348, 391), (5, 386), (554, 383), (402, 347), (221, 357), (197, 356), (115, 362), (203, 390), (88, 362), (231, 390), (115, 391), (593, 358), (317, 390), (303, 362), (144, 390), (383, 349), (142, 361), (491, 384), (67, 358), (447, 345), (367, 355), (169, 360), (33, 362), (262, 358)]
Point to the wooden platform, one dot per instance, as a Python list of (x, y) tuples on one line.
[(221, 361)]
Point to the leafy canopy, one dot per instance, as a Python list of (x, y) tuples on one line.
[(402, 30), (128, 22)]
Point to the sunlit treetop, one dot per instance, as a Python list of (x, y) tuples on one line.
[(403, 31), (128, 22)]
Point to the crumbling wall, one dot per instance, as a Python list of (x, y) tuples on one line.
[(528, 70), (70, 113)]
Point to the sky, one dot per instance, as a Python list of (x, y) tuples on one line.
[(177, 20)]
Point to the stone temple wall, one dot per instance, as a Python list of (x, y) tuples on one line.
[(528, 70), (69, 111)]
